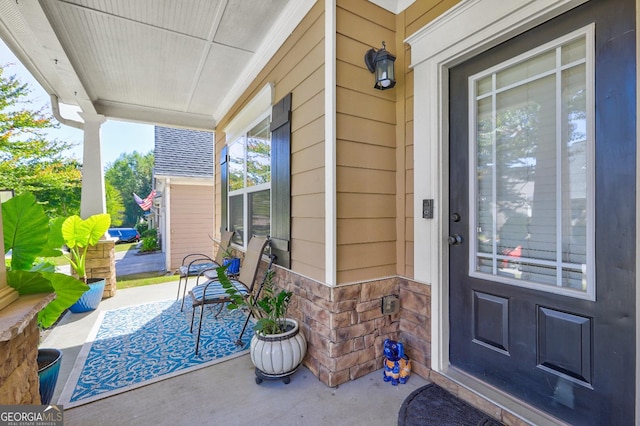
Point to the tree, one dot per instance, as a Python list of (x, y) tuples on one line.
[(115, 204), (29, 162), (128, 174)]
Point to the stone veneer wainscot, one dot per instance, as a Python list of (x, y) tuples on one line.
[(19, 339)]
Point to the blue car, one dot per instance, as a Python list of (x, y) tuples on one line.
[(124, 235)]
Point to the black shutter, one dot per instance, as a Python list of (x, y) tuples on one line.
[(224, 193), (281, 181)]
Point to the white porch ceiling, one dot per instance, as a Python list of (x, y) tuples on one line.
[(178, 63)]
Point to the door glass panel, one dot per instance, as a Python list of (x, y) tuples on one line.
[(574, 51), (532, 67), (532, 188)]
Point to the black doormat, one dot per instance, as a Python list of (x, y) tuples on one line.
[(433, 406)]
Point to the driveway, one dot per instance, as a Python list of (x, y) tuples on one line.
[(133, 262)]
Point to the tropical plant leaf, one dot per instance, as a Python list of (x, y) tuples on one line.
[(29, 282), (25, 228), (82, 233), (68, 290), (97, 226), (55, 240), (73, 232)]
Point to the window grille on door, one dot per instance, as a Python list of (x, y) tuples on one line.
[(531, 169)]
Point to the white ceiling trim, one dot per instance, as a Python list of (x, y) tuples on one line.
[(395, 6), (283, 27), (142, 114)]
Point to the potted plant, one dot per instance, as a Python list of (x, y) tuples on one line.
[(29, 235), (231, 261), (49, 360), (277, 346), (79, 235)]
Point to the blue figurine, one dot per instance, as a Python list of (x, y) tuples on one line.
[(397, 366)]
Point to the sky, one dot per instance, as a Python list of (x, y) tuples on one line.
[(117, 137)]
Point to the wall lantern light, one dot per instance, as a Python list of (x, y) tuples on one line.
[(381, 63)]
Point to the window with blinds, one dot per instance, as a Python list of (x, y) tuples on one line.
[(531, 169)]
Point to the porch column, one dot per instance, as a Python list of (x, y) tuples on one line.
[(92, 199)]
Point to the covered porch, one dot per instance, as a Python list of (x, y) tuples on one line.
[(362, 187), (225, 393)]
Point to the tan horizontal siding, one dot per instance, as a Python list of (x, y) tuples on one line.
[(365, 147), (365, 181), (359, 231), (308, 182), (374, 132), (308, 205), (350, 102), (309, 134), (298, 67), (192, 219), (355, 20), (368, 274), (365, 206), (309, 228), (366, 256), (357, 129), (309, 258), (310, 158)]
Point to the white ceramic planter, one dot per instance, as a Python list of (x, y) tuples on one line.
[(277, 355)]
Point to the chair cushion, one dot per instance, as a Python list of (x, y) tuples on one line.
[(196, 268), (215, 291)]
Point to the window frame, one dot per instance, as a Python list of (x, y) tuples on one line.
[(246, 190)]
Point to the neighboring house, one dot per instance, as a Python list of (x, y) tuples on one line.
[(183, 176), (409, 192)]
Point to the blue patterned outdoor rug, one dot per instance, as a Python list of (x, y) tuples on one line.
[(139, 345)]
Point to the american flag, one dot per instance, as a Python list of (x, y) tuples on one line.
[(146, 203)]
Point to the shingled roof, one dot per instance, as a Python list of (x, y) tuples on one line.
[(180, 152)]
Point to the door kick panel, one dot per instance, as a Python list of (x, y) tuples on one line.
[(565, 345), (491, 321)]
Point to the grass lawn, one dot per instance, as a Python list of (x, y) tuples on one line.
[(58, 261), (124, 247), (144, 278)]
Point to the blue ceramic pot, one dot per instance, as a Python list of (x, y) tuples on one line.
[(234, 265), (48, 368), (91, 298)]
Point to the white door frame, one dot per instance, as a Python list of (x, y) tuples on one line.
[(464, 31)]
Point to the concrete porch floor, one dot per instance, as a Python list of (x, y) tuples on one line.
[(225, 393)]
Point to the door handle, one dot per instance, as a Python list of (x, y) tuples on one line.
[(454, 240)]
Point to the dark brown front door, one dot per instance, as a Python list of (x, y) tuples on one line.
[(542, 226)]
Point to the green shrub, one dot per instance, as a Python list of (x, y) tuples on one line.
[(149, 233), (149, 244), (141, 227)]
